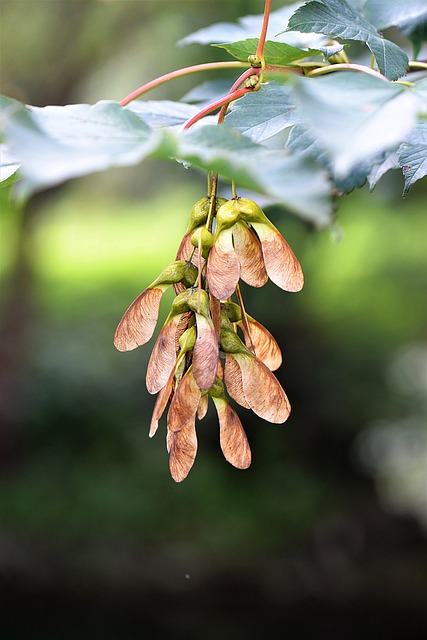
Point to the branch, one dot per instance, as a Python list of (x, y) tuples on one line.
[(215, 105), (346, 67), (207, 66), (263, 34)]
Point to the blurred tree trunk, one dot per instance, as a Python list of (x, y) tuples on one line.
[(17, 314)]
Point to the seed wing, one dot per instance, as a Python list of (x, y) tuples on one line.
[(163, 356), (280, 261), (182, 448), (233, 440), (184, 403), (223, 270), (248, 248), (262, 390), (139, 321), (233, 381), (266, 347), (205, 354)]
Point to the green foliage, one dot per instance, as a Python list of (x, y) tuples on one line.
[(338, 19), (412, 156), (410, 17), (272, 172), (346, 123), (162, 113), (342, 120), (55, 144), (59, 143), (295, 131), (275, 53), (265, 113), (355, 116), (393, 12)]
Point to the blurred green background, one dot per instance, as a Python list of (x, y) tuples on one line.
[(325, 534)]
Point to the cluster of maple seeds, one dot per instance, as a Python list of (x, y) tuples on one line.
[(199, 354)]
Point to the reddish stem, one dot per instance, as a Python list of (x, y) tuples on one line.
[(263, 34), (215, 105), (246, 74), (346, 67), (178, 73)]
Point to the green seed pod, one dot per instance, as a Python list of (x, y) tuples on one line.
[(203, 236), (225, 322), (231, 343), (227, 214), (217, 389), (232, 311), (180, 304), (180, 370), (199, 299), (190, 277), (199, 213), (252, 82), (171, 274), (251, 212), (254, 61), (188, 339), (219, 202)]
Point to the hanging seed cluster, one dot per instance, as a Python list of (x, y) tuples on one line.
[(209, 347)]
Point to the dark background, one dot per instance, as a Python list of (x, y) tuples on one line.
[(325, 534)]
